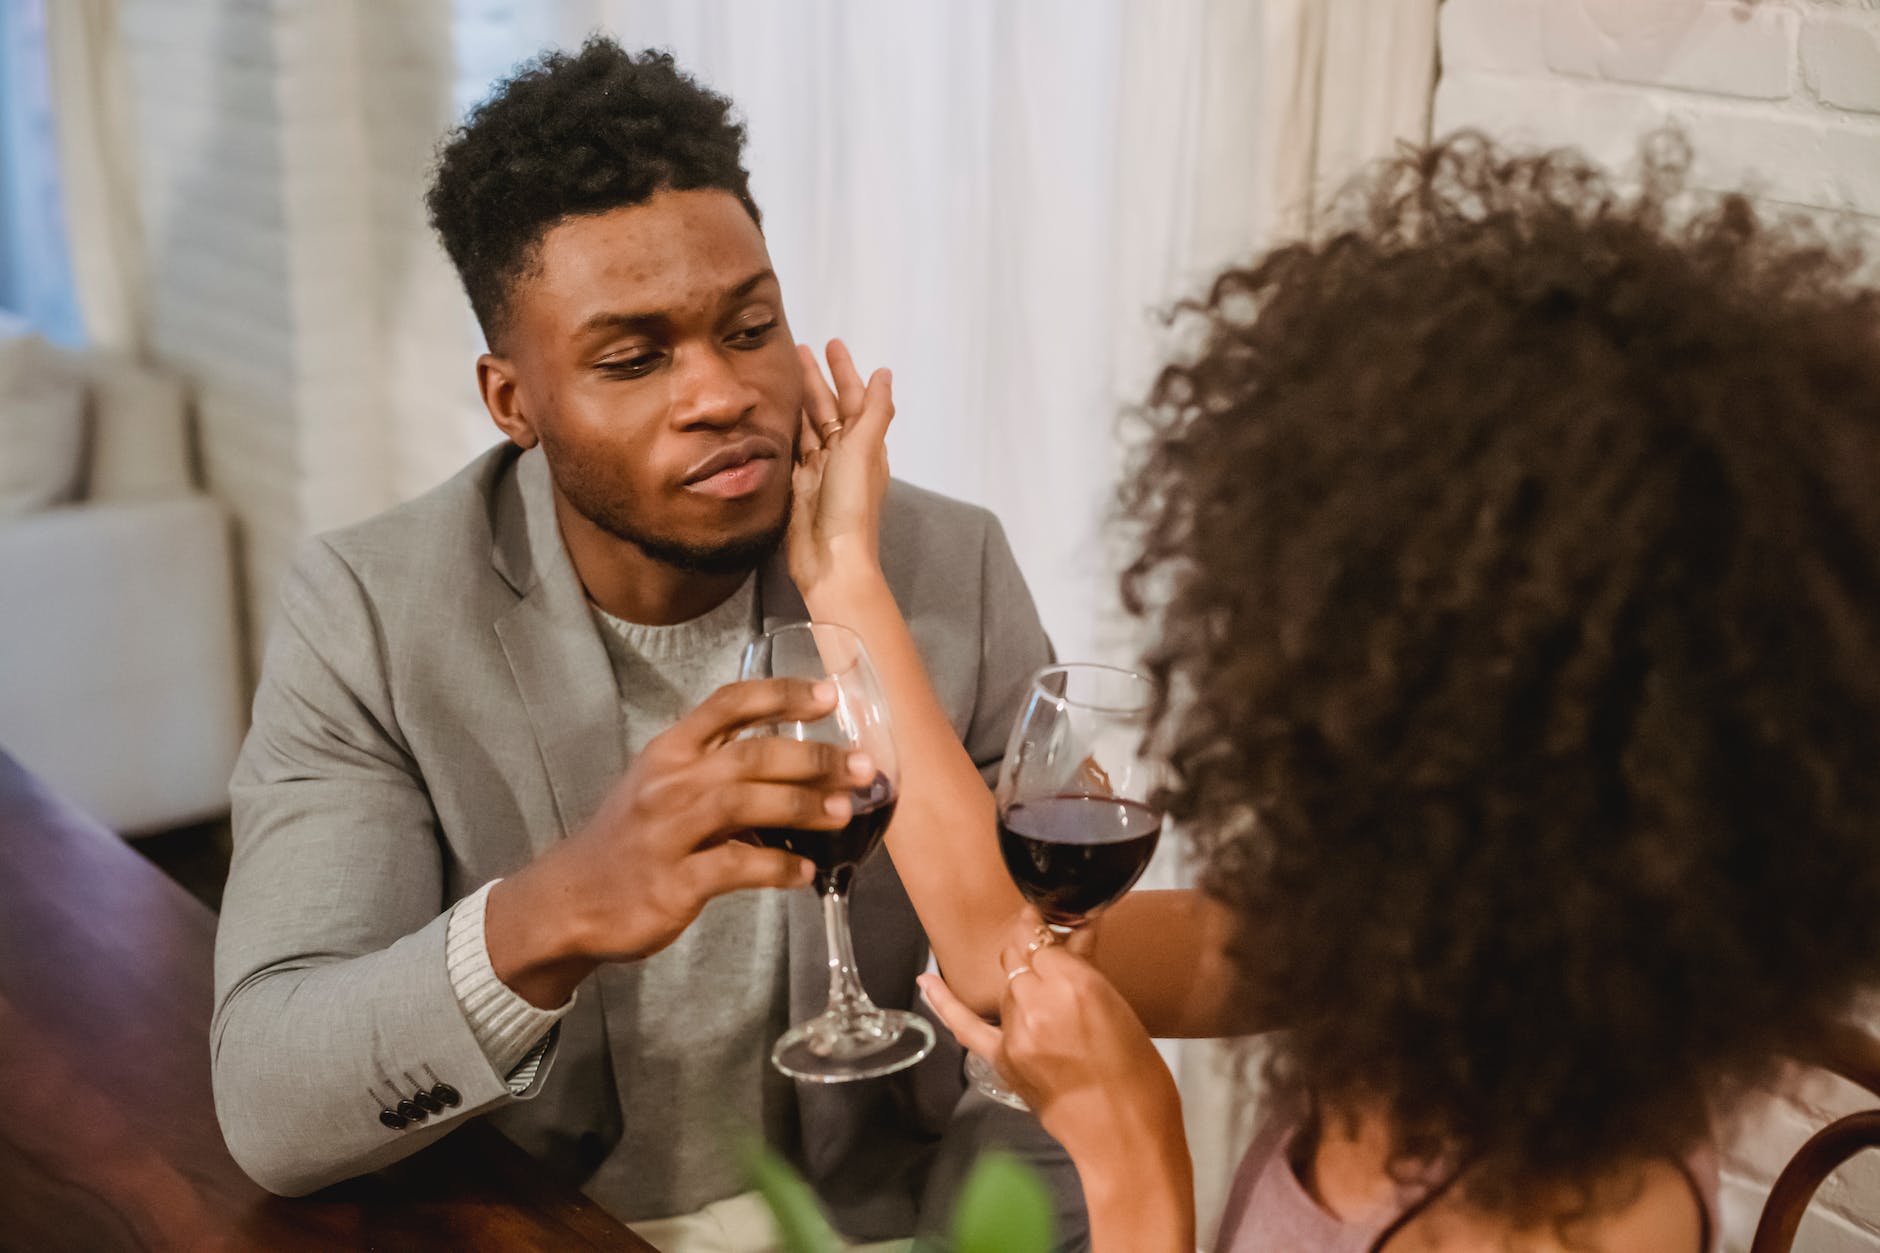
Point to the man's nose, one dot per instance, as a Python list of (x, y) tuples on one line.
[(709, 390)]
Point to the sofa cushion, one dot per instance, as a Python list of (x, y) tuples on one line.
[(120, 663), (42, 425), (139, 431)]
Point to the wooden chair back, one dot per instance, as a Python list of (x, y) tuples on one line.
[(1855, 1056)]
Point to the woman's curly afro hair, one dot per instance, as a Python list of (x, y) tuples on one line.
[(573, 134), (1515, 549)]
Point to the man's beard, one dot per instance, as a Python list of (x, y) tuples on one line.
[(733, 556)]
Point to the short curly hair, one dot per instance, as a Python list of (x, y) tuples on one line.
[(1515, 553), (573, 134)]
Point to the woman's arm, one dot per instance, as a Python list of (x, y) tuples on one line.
[(1170, 955), (943, 839), (1166, 951)]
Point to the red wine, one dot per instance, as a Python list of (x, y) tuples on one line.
[(837, 853), (1070, 855)]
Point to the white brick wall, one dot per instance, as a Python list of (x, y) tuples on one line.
[(1781, 96)]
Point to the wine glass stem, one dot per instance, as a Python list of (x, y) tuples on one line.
[(846, 996)]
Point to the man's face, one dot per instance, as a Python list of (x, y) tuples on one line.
[(653, 361)]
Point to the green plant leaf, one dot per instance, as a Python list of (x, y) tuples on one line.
[(800, 1222), (1004, 1208)]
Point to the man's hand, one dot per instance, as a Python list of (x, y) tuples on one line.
[(626, 884), (841, 472)]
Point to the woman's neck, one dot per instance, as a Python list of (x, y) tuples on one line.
[(1343, 1162)]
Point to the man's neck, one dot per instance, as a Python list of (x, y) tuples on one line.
[(635, 587)]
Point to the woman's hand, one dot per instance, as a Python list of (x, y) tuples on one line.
[(1069, 1044), (841, 471), (1073, 1048)]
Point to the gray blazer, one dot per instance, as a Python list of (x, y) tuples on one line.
[(436, 709)]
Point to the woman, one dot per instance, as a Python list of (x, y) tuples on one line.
[(1516, 555)]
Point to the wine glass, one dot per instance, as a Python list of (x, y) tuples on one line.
[(852, 1038), (1076, 826)]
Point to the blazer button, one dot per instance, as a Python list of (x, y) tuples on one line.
[(393, 1119), (411, 1111), (447, 1095), (430, 1104)]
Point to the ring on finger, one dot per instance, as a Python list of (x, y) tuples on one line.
[(1016, 971)]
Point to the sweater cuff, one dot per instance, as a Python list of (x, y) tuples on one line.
[(508, 1029)]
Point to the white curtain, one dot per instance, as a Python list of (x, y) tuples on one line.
[(1346, 82), (91, 110)]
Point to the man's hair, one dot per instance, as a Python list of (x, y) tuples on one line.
[(1518, 553), (568, 135)]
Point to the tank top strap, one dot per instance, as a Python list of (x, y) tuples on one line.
[(1415, 1208)]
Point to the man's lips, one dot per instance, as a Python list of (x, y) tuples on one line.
[(737, 469)]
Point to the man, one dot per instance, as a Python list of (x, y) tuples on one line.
[(481, 863)]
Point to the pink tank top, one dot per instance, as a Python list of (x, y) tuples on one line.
[(1270, 1211)]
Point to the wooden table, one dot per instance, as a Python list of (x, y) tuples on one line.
[(108, 1138)]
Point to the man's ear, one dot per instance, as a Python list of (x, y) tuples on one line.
[(502, 396)]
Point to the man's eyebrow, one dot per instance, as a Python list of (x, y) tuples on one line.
[(750, 284), (620, 322), (611, 321)]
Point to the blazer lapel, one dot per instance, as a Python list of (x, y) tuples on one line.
[(555, 653)]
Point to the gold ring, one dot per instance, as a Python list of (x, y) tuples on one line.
[(1016, 971)]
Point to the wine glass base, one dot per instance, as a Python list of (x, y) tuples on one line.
[(833, 1049), (987, 1081)]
